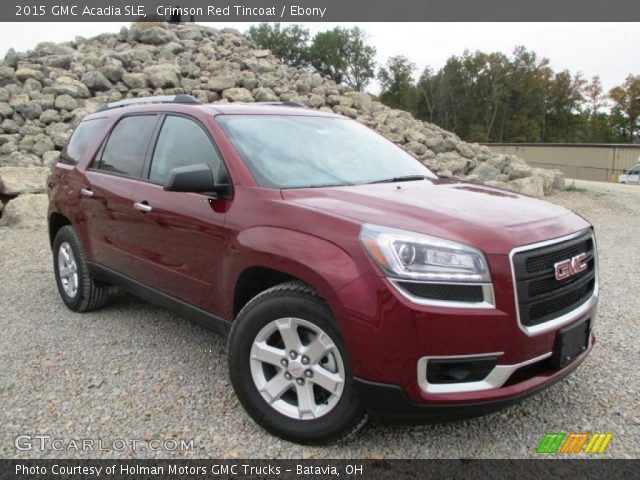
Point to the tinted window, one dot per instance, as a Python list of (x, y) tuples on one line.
[(80, 140), (182, 142), (127, 145), (285, 151)]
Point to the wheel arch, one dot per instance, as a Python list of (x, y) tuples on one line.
[(56, 222), (276, 255), (255, 280)]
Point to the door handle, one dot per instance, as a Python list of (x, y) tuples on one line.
[(87, 192), (144, 207)]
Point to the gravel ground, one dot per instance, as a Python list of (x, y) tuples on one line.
[(133, 371)]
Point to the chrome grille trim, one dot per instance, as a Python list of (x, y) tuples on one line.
[(569, 316)]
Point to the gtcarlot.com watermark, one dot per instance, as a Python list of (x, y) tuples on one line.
[(43, 443)]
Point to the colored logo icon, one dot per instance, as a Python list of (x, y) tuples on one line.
[(574, 443)]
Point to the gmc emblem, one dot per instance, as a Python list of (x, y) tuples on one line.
[(570, 266)]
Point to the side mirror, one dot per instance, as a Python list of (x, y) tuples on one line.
[(193, 178)]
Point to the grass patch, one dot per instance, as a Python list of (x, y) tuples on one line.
[(574, 188)]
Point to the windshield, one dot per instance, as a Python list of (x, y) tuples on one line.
[(287, 151)]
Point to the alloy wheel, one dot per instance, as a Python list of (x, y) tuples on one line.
[(68, 269), (297, 368)]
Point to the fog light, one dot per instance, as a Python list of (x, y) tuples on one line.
[(459, 370)]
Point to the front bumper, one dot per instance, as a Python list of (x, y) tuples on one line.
[(389, 404), (388, 336)]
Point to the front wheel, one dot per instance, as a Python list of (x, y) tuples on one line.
[(289, 368)]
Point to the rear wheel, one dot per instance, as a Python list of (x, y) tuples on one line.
[(77, 287), (289, 368)]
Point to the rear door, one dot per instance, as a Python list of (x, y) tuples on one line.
[(181, 236), (108, 195)]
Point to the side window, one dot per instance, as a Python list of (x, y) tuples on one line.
[(80, 140), (127, 145), (181, 142)]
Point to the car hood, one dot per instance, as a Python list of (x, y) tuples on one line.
[(491, 219)]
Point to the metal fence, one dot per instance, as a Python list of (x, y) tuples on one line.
[(599, 162)]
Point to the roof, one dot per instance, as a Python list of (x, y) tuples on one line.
[(185, 103)]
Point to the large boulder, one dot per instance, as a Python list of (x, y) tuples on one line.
[(152, 35), (485, 172), (7, 75), (135, 80), (517, 169), (70, 86), (264, 94), (59, 133), (5, 110), (66, 102), (164, 75), (19, 159), (113, 71), (96, 81), (552, 179), (25, 73), (237, 95), (222, 82), (26, 211), (533, 186), (29, 110), (20, 180)]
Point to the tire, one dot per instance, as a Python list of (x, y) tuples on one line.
[(307, 403), (78, 289)]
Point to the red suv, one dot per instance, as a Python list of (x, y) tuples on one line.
[(351, 281)]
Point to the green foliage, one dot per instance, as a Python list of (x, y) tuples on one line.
[(626, 109), (495, 98), (396, 82), (574, 188), (289, 44), (343, 55)]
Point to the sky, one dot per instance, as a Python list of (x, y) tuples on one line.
[(606, 49)]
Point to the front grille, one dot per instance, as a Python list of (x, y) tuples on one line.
[(541, 297), (444, 291)]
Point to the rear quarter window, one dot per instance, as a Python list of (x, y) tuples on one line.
[(80, 140)]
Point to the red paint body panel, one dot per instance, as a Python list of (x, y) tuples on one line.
[(195, 248)]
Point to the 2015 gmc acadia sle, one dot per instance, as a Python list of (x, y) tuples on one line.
[(351, 281)]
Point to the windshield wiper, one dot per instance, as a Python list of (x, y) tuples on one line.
[(404, 178), (327, 185)]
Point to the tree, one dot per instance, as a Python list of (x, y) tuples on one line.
[(564, 100), (427, 91), (396, 82), (289, 44), (524, 115), (626, 109), (595, 101), (343, 55)]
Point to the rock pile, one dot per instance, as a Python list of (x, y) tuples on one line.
[(45, 92)]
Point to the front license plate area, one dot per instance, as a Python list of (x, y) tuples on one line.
[(571, 342)]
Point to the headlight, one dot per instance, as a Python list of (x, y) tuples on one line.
[(409, 255)]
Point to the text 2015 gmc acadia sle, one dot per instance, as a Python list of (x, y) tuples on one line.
[(351, 281)]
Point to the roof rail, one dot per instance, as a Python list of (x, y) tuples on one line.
[(283, 104), (150, 100)]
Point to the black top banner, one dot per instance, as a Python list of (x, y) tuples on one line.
[(319, 10)]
